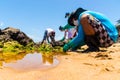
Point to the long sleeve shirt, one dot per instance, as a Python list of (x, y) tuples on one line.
[(109, 26)]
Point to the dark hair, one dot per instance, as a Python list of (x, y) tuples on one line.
[(70, 22), (67, 14), (60, 28), (75, 15)]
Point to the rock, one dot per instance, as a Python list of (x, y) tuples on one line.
[(10, 34)]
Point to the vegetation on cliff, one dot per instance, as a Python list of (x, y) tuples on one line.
[(15, 41)]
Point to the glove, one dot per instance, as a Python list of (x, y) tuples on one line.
[(77, 45), (66, 47)]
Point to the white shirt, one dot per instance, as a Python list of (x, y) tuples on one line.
[(49, 30)]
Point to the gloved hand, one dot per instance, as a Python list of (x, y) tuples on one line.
[(66, 47)]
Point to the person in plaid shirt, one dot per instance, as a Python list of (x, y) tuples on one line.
[(94, 30)]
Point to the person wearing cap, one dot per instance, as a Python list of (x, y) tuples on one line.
[(49, 33), (94, 30)]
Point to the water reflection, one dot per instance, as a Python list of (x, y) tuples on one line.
[(30, 61)]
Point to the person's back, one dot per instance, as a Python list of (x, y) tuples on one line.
[(49, 30), (109, 26)]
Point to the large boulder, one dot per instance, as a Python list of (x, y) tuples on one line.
[(10, 34)]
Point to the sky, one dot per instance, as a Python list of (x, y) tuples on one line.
[(34, 16)]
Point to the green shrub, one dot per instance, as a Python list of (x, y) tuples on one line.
[(12, 46), (1, 45)]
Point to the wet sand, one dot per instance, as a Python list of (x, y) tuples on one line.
[(74, 66)]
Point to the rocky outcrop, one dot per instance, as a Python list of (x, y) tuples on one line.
[(10, 34)]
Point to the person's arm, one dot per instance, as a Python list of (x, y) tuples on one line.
[(74, 32), (64, 37), (65, 34), (67, 26), (76, 41)]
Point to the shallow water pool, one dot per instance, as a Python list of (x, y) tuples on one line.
[(33, 61)]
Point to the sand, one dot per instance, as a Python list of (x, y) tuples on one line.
[(103, 65)]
